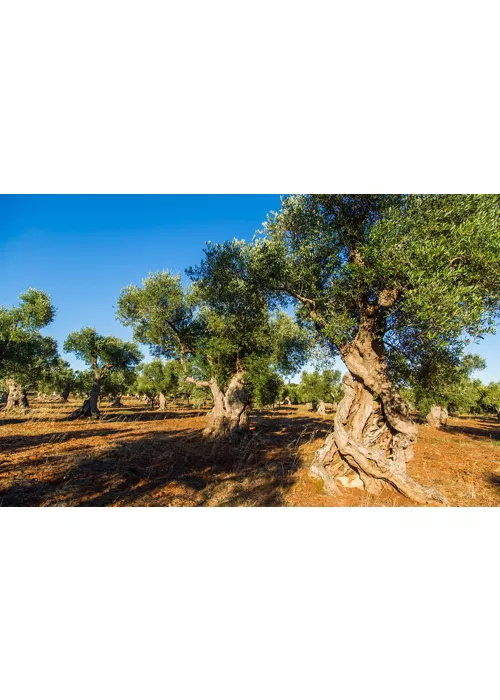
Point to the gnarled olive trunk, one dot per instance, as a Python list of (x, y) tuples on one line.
[(90, 407), (321, 408), (64, 395), (17, 399), (437, 416), (373, 438), (229, 416), (117, 402), (163, 401)]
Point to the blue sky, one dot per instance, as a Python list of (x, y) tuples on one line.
[(83, 250)]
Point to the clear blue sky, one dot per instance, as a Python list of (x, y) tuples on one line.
[(83, 249)]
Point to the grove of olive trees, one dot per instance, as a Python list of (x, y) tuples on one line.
[(396, 287)]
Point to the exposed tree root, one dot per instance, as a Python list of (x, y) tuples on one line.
[(365, 452), (85, 412)]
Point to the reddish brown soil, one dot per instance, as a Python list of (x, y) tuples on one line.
[(138, 457)]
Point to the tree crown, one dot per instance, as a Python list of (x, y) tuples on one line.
[(426, 267), (103, 353)]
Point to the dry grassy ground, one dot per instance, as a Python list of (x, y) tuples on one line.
[(139, 457)]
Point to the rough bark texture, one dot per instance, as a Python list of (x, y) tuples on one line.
[(229, 415), (437, 417), (321, 408), (90, 407), (372, 441), (163, 402), (17, 399)]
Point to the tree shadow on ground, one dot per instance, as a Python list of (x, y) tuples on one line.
[(13, 443), (173, 468), (493, 479), (488, 428), (131, 416), (10, 421), (149, 415)]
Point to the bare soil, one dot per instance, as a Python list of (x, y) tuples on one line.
[(136, 456)]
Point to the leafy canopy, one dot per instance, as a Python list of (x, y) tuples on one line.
[(25, 354), (431, 263), (103, 354), (218, 325)]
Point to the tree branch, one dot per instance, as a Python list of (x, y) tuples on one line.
[(197, 382)]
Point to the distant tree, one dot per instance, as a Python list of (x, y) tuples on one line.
[(216, 328), (373, 276), (491, 397), (104, 355), (317, 388), (60, 379), (264, 384), (158, 380), (116, 384), (25, 355), (442, 378)]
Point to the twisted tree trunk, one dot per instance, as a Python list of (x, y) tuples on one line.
[(90, 407), (117, 402), (163, 401), (373, 440), (17, 398), (437, 416), (321, 408), (229, 415)]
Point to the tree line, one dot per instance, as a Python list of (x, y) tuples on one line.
[(394, 285)]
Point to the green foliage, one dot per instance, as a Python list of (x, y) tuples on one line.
[(430, 263), (103, 354), (219, 326), (84, 378), (117, 383), (59, 378), (162, 314), (315, 387), (444, 378), (158, 377), (263, 382), (26, 355), (490, 399)]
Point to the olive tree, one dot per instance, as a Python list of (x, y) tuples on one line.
[(217, 328), (115, 384), (491, 398), (317, 388), (60, 379), (157, 380), (25, 354), (103, 355), (373, 276)]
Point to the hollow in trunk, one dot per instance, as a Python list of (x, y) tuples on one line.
[(17, 398)]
